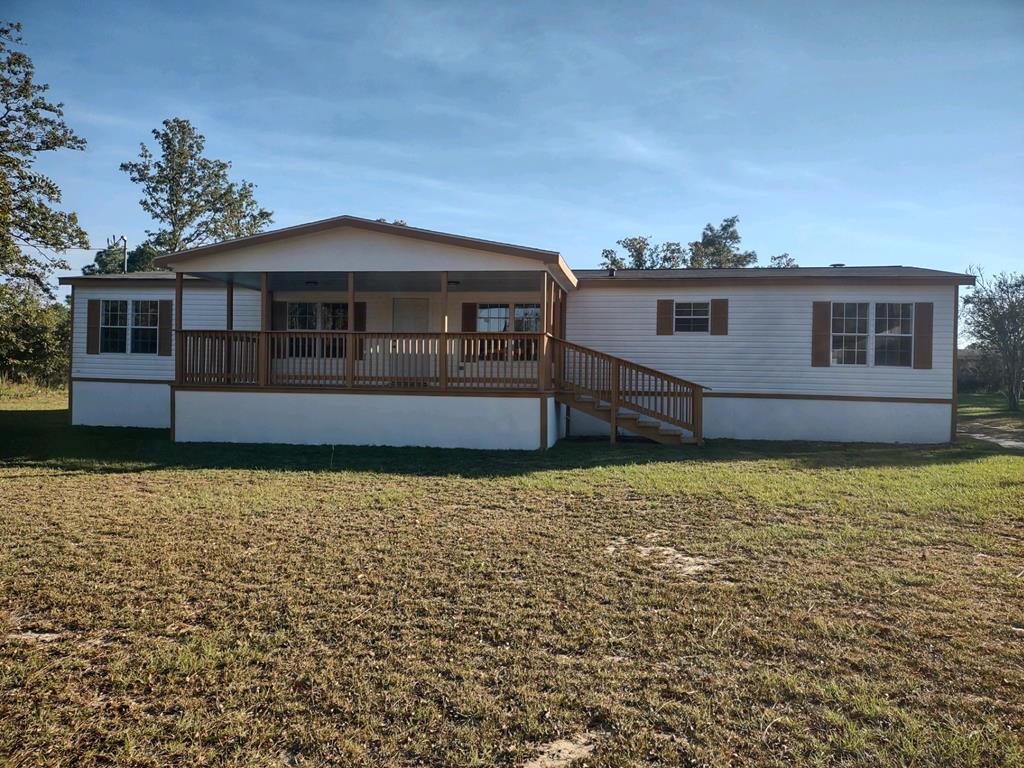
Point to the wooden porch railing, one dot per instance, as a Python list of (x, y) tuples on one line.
[(627, 385), (446, 362)]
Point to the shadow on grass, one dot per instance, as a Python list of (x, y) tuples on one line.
[(43, 439)]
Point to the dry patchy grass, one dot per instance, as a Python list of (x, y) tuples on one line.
[(230, 605)]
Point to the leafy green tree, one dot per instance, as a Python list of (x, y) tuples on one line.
[(190, 196), (397, 222), (31, 228), (34, 334), (994, 316), (641, 253), (719, 247), (783, 261), (111, 260)]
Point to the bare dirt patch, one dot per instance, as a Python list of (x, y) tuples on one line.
[(561, 752), (665, 556)]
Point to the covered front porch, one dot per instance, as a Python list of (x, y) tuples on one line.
[(440, 331)]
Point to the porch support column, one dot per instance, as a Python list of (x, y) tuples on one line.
[(543, 354), (179, 351), (263, 347), (350, 337), (442, 345), (229, 324)]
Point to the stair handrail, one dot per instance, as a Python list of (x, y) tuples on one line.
[(615, 396)]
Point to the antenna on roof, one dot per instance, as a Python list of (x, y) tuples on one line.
[(836, 266), (112, 241)]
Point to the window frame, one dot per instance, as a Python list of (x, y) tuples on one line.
[(130, 327), (325, 347), (906, 325), (868, 336), (692, 316)]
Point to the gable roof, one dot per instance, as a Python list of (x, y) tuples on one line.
[(769, 275), (401, 230)]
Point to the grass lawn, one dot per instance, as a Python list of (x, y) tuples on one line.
[(989, 415), (744, 603)]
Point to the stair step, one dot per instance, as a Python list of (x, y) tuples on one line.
[(670, 429), (585, 398)]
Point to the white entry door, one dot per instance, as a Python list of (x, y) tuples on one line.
[(412, 358)]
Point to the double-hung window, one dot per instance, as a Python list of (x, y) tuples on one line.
[(526, 319), (849, 333), (145, 321), (692, 317), (129, 326), (894, 334), (114, 325)]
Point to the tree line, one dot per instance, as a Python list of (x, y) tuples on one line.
[(192, 200)]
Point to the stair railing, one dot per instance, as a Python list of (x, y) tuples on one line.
[(627, 385)]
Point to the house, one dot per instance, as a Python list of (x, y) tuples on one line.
[(351, 331)]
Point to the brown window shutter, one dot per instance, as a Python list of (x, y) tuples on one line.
[(821, 334), (666, 317), (163, 343), (924, 313), (279, 316), (468, 326), (359, 324), (92, 327), (719, 317)]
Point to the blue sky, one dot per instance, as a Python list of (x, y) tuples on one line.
[(864, 133)]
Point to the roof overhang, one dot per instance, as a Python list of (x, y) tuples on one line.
[(697, 282), (180, 260)]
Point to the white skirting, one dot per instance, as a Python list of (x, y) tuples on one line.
[(120, 404), (841, 421), (313, 418)]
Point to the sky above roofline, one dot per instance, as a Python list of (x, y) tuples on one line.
[(855, 133)]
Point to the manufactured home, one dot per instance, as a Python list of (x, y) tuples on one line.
[(352, 331)]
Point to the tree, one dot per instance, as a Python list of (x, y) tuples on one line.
[(643, 254), (719, 247), (34, 332), (396, 222), (111, 260), (30, 227), (994, 316), (190, 195)]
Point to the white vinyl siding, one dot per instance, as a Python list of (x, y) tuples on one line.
[(768, 348), (203, 306)]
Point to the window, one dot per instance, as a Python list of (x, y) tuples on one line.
[(317, 316), (145, 319), (894, 334), (492, 318), (113, 325), (849, 333), (527, 318), (692, 317)]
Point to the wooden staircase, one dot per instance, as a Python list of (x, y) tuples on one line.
[(628, 396)]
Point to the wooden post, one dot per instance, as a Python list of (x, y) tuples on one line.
[(614, 402), (179, 351), (263, 347), (229, 324), (543, 360), (350, 337), (698, 415), (442, 345)]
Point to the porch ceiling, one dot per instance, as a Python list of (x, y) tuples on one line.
[(384, 282)]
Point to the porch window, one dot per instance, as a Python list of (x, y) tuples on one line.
[(849, 333), (527, 318), (692, 316), (492, 318), (894, 334), (114, 325), (317, 316)]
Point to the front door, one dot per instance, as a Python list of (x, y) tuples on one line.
[(413, 358)]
